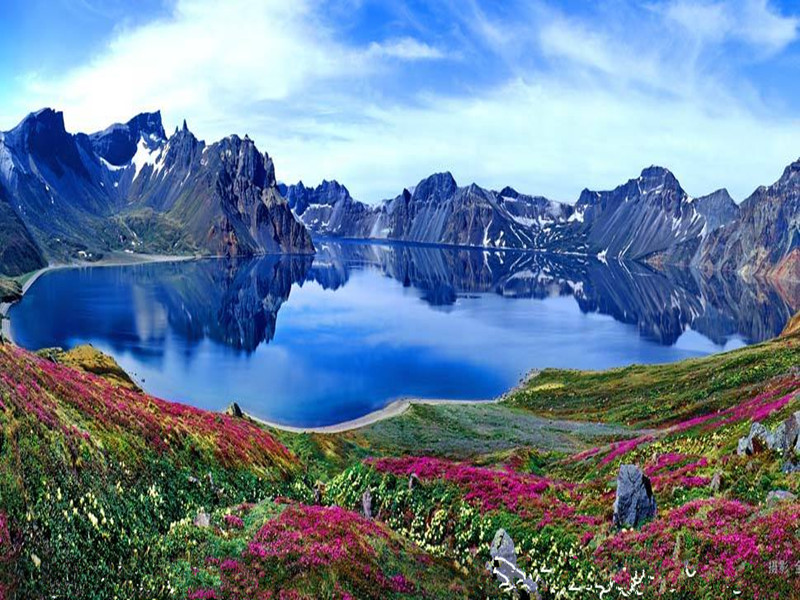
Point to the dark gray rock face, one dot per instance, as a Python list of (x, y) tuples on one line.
[(118, 143), (329, 210), (130, 187), (635, 502), (19, 252), (765, 239)]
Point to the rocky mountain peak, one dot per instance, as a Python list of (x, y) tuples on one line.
[(330, 192), (791, 173), (654, 178), (47, 123), (148, 124), (508, 192), (720, 195), (241, 157), (43, 135), (118, 143), (435, 188), (718, 208)]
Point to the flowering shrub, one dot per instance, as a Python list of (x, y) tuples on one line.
[(93, 475), (487, 488), (757, 408), (233, 521), (46, 389), (313, 552), (711, 546), (103, 485)]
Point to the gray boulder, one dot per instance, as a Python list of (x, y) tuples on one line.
[(635, 502), (234, 410), (504, 567), (716, 482), (790, 467), (202, 519), (758, 440), (366, 504), (788, 435), (785, 439), (778, 496)]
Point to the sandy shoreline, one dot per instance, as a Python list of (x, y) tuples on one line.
[(393, 409), (117, 260)]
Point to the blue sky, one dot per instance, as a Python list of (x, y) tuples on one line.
[(549, 97)]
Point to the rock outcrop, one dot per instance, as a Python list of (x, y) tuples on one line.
[(785, 439), (503, 566), (778, 496), (792, 327), (635, 502), (234, 410)]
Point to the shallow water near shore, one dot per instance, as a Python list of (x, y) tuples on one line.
[(314, 341)]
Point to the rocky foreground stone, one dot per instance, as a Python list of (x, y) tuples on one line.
[(635, 502)]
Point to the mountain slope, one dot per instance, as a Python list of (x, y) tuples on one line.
[(107, 492), (766, 237), (646, 216), (649, 215), (130, 187), (19, 252)]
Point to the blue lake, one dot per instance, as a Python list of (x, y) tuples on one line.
[(314, 341)]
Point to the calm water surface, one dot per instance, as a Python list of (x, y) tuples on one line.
[(315, 341)]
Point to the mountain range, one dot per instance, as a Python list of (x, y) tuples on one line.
[(133, 188), (649, 218)]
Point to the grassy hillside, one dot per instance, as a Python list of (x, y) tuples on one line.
[(92, 475), (106, 492), (656, 395)]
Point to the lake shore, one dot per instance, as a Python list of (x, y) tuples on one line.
[(393, 409), (115, 260)]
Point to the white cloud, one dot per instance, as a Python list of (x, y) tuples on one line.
[(544, 137), (207, 57), (589, 103), (754, 22), (593, 48), (406, 49)]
